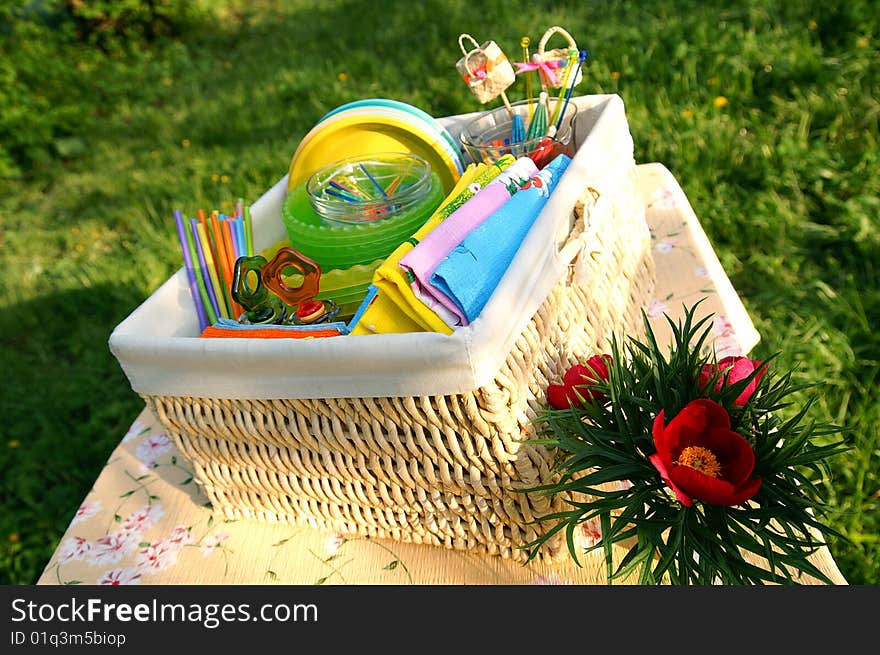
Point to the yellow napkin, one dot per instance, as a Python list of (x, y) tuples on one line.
[(395, 308)]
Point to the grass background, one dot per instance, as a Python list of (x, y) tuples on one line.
[(783, 175)]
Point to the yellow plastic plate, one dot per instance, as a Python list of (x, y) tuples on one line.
[(365, 134)]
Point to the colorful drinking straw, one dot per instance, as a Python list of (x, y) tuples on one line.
[(190, 270), (197, 271), (208, 255), (248, 230), (582, 57), (202, 270)]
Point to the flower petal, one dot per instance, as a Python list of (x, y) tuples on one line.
[(557, 396), (689, 425), (661, 441), (734, 453), (714, 491), (583, 376), (599, 364), (745, 491), (579, 374), (658, 463), (736, 369)]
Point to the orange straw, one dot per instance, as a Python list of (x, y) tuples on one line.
[(224, 267), (230, 259)]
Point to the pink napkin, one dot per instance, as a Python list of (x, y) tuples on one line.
[(422, 261), (472, 271)]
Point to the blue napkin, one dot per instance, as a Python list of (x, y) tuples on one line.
[(229, 323), (469, 274)]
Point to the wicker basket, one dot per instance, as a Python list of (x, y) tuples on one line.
[(422, 437), (441, 470)]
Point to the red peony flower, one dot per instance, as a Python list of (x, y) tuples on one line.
[(732, 370), (578, 382), (701, 458)]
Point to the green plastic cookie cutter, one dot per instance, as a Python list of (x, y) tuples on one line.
[(261, 306)]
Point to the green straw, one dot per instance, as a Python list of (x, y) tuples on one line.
[(197, 268), (248, 232), (572, 59)]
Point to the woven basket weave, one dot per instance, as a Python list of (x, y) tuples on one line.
[(443, 470)]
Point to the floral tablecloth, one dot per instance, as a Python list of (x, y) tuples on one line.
[(146, 521)]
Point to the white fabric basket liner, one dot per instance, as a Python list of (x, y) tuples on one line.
[(159, 348)]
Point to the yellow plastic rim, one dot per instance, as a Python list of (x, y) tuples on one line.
[(366, 134)]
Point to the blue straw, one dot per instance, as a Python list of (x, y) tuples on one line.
[(239, 231), (341, 196), (343, 190), (375, 183), (581, 58)]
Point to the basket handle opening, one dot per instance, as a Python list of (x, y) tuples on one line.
[(468, 53), (556, 29)]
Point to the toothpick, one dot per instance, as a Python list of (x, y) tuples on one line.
[(507, 104), (524, 42)]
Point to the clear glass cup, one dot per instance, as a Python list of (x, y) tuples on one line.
[(488, 136)]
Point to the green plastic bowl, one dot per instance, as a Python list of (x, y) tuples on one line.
[(338, 246)]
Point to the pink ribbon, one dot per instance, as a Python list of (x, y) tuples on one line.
[(545, 68)]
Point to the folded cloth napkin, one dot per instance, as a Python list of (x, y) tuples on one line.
[(471, 272), (394, 308), (423, 259)]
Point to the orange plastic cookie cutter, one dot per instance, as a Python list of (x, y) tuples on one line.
[(285, 259), (307, 309)]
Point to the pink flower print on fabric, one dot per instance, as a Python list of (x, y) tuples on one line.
[(727, 347), (665, 246), (334, 543), (113, 547), (722, 327), (664, 198), (152, 448), (726, 343), (118, 577), (656, 309), (590, 533), (137, 428), (157, 557), (74, 549), (210, 544), (701, 272), (181, 536), (142, 519), (163, 553), (86, 511)]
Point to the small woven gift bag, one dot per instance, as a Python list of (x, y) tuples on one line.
[(485, 69), (557, 60)]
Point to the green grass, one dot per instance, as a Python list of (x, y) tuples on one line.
[(784, 178)]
